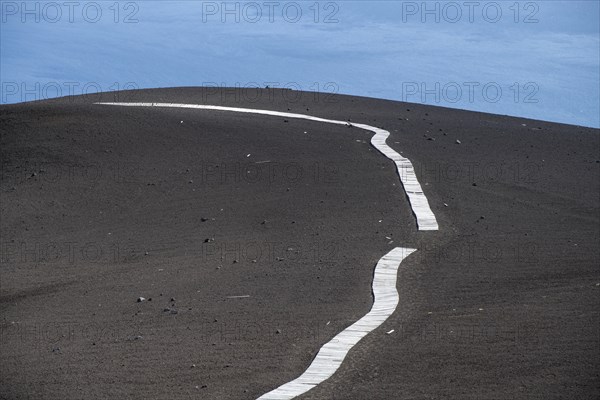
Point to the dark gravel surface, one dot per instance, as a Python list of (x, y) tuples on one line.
[(102, 205)]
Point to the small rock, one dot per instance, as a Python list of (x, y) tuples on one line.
[(458, 141), (278, 331), (203, 219), (140, 299)]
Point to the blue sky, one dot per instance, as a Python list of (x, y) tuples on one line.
[(532, 59)]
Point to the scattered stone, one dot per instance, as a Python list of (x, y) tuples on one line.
[(202, 219), (278, 331), (140, 299), (458, 141), (209, 240), (172, 298)]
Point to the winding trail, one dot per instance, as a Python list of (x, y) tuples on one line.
[(333, 353), (418, 202)]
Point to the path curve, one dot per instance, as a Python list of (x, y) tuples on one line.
[(426, 220), (332, 354)]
